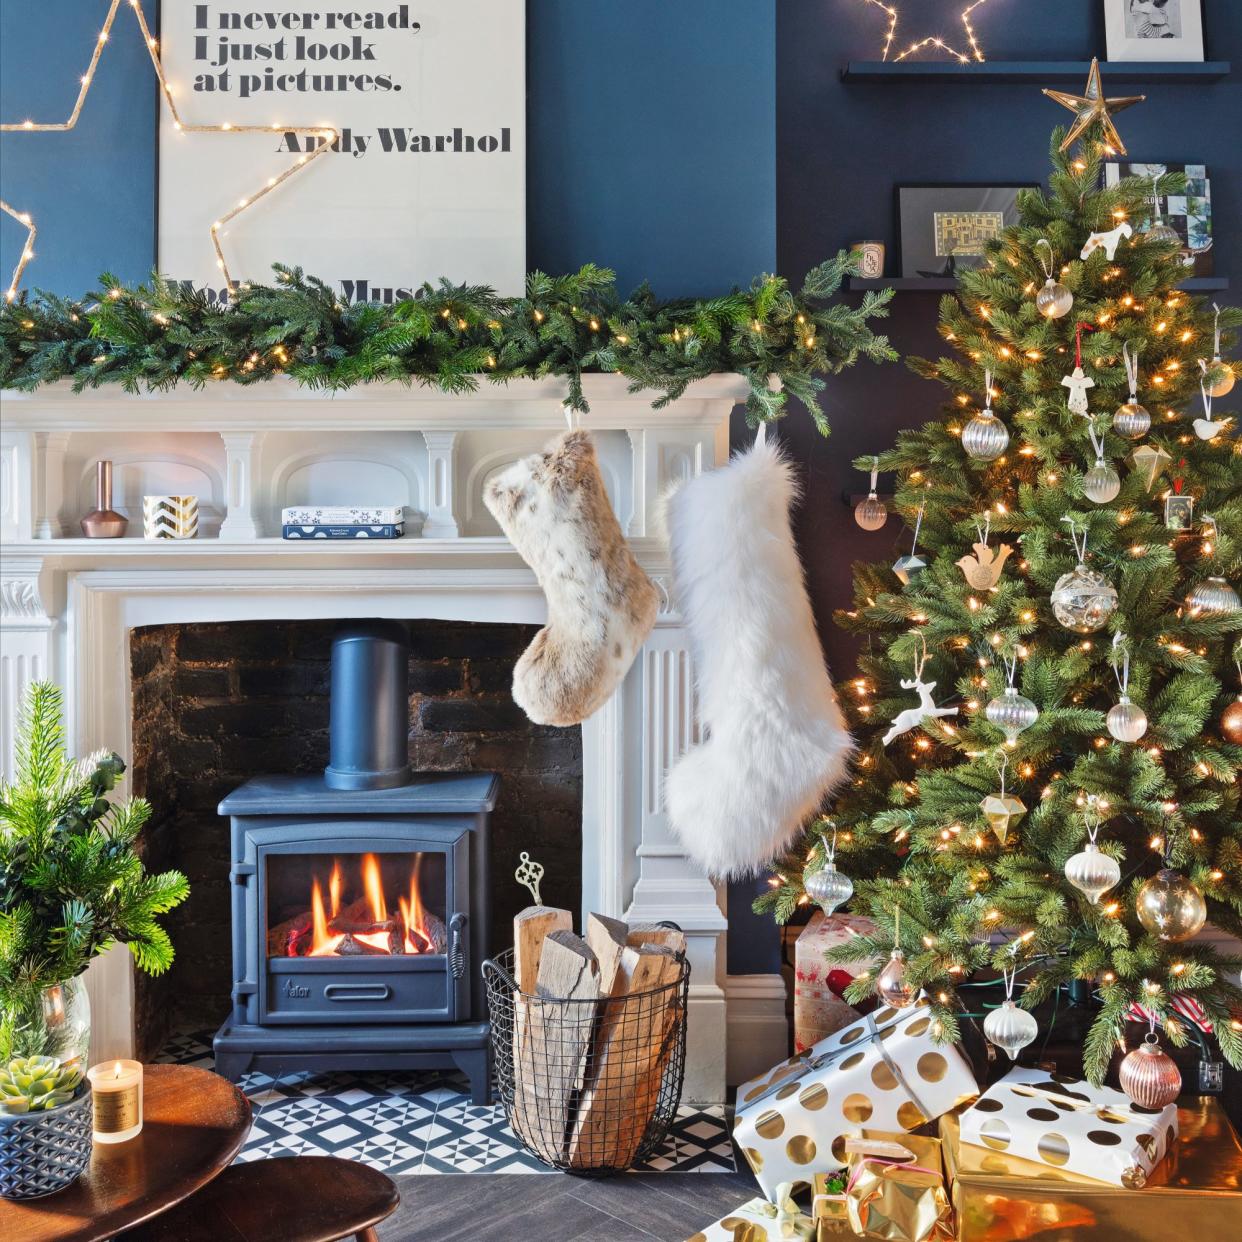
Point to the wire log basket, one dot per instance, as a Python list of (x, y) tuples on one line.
[(588, 1085)]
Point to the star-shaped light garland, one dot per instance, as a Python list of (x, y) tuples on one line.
[(1092, 106), (326, 133), (976, 52)]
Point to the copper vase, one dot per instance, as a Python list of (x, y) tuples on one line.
[(103, 521)]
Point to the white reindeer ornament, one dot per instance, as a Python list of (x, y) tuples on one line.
[(912, 717)]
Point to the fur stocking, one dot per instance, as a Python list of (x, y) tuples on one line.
[(776, 737), (601, 606)]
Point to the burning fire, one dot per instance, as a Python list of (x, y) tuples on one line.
[(364, 926)]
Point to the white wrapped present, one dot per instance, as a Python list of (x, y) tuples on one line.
[(883, 1072), (761, 1221), (1091, 1132)]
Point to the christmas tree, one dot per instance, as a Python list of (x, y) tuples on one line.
[(1061, 801)]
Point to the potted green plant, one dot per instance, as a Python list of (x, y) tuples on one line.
[(71, 885), (45, 1126)]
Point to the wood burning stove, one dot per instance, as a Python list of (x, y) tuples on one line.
[(359, 913)]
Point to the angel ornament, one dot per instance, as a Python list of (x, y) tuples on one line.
[(912, 717), (1107, 241), (983, 570), (1079, 381)]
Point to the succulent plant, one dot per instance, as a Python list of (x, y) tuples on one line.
[(35, 1084)]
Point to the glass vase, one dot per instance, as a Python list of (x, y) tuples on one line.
[(59, 1024)]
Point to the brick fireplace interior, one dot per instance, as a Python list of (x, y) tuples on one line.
[(217, 704)]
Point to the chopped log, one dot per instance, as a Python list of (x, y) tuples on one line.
[(359, 927), (396, 937), (617, 1103), (278, 933), (433, 934), (349, 947), (653, 933), (529, 929), (607, 940)]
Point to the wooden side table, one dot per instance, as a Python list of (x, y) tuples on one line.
[(194, 1123)]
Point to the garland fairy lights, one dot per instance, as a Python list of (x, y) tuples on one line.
[(890, 35)]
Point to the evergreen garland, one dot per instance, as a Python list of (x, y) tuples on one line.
[(909, 827), (448, 336)]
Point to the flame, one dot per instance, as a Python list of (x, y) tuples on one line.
[(412, 914), (334, 887), (373, 883), (322, 943)]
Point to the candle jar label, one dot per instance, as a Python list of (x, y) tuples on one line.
[(116, 1110)]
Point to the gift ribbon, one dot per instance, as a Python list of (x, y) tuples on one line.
[(1106, 1112), (887, 1162), (793, 1223)]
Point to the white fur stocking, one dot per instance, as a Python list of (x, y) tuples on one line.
[(601, 606), (777, 740)]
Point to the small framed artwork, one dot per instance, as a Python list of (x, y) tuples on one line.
[(943, 228), (1188, 212), (1179, 512), (1154, 29)]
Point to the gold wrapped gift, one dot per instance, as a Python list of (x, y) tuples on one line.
[(895, 1189), (828, 1207), (1198, 1188)]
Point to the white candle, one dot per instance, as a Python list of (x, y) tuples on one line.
[(116, 1087)]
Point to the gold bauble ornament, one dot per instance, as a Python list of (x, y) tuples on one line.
[(1231, 722), (1002, 811), (1149, 1076), (1171, 906), (1224, 385), (892, 985)]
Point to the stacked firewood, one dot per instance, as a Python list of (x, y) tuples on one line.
[(587, 1073)]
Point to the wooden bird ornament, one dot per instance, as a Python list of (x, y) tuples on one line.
[(983, 570)]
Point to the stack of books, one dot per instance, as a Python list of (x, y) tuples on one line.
[(342, 522)]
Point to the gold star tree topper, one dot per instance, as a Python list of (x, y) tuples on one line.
[(1094, 106)]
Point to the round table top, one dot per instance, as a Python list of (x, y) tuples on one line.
[(194, 1123)]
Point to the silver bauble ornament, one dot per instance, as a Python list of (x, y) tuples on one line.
[(892, 985), (985, 437), (1149, 1076), (1161, 232), (828, 887), (1101, 483), (1223, 386), (1093, 872), (871, 513), (1126, 721), (1083, 600), (1011, 712), (1132, 421), (1170, 906), (1054, 300), (1213, 597), (1010, 1028)]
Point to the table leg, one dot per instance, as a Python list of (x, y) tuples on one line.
[(367, 1235)]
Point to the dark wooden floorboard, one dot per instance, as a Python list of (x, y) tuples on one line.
[(515, 1207)]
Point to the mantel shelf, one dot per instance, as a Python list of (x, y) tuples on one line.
[(1043, 72), (946, 284)]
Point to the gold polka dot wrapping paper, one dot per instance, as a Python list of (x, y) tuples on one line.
[(1067, 1125), (882, 1072), (761, 1221)]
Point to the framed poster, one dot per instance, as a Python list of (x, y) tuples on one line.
[(426, 179), (1188, 212), (942, 228), (1154, 29)]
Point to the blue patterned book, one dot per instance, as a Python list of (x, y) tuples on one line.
[(391, 530)]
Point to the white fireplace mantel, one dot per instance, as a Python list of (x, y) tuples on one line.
[(67, 603)]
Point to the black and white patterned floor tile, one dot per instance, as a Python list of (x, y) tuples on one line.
[(419, 1124)]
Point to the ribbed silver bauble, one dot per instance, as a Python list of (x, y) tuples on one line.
[(1213, 597), (1132, 421), (1161, 232), (1010, 1028), (1149, 1076), (828, 887), (1126, 721), (1170, 906), (985, 437), (1101, 483), (1092, 871), (871, 513), (1054, 300), (892, 985), (1083, 600), (1011, 712)]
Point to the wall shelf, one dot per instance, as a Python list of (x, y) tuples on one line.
[(946, 284), (1043, 72)]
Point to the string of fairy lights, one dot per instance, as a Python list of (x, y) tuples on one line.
[(326, 135), (936, 41)]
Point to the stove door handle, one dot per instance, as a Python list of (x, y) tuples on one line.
[(457, 949), (356, 992)]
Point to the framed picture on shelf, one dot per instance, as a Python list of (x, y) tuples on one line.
[(1154, 29), (943, 228), (1188, 212)]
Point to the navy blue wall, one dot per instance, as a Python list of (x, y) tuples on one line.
[(652, 141)]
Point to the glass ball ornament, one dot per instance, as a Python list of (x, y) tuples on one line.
[(1054, 299), (1010, 1028), (871, 513), (1231, 722), (1132, 420), (1126, 721), (1101, 483), (1093, 872), (828, 887), (985, 437), (1149, 1076), (1083, 600), (1213, 597), (1223, 386), (1011, 712), (1170, 906), (892, 985)]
